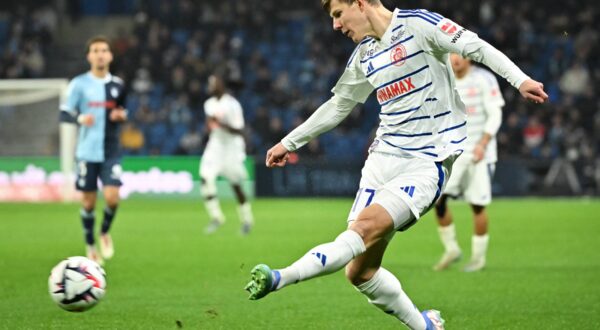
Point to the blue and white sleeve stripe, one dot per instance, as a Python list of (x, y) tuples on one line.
[(433, 18)]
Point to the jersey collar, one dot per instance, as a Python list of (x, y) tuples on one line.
[(105, 80), (386, 38)]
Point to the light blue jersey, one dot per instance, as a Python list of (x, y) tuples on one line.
[(87, 94)]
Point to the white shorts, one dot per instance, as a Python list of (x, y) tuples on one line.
[(472, 181), (232, 168), (397, 183)]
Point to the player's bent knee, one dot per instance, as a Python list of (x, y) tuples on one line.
[(372, 224), (88, 202), (111, 196), (88, 206), (112, 200)]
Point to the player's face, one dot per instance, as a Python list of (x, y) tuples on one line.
[(459, 64), (99, 55), (349, 19), (214, 85)]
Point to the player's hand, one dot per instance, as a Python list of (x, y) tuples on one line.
[(533, 90), (277, 156), (118, 114), (478, 153), (212, 124), (86, 119)]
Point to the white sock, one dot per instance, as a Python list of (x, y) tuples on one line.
[(479, 246), (448, 238), (323, 259), (245, 213), (385, 292), (214, 210)]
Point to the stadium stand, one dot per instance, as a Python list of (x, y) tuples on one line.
[(279, 59)]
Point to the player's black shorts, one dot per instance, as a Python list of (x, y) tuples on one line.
[(109, 172)]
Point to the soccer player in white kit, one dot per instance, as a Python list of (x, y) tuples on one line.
[(224, 154), (472, 171), (403, 56)]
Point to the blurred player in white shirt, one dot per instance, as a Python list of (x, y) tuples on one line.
[(472, 172), (224, 154), (403, 57)]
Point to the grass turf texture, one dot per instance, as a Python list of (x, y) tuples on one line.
[(543, 268)]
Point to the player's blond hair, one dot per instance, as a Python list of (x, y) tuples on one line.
[(327, 3), (95, 39)]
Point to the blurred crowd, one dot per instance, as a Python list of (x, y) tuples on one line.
[(282, 58), (25, 36), (277, 62)]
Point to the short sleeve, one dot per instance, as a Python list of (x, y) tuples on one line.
[(72, 97)]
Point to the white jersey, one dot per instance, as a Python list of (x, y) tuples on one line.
[(421, 114), (221, 142), (480, 93)]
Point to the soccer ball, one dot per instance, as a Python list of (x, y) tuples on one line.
[(77, 284)]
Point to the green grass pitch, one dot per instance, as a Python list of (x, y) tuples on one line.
[(543, 268)]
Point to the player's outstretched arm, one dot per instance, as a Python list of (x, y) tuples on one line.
[(326, 117), (468, 44), (277, 156), (533, 90)]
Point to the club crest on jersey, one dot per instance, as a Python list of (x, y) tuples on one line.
[(114, 92), (398, 55), (448, 27)]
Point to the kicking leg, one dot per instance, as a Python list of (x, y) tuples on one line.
[(447, 234), (382, 288), (371, 226)]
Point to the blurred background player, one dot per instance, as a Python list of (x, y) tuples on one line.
[(95, 101), (472, 172), (224, 154)]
